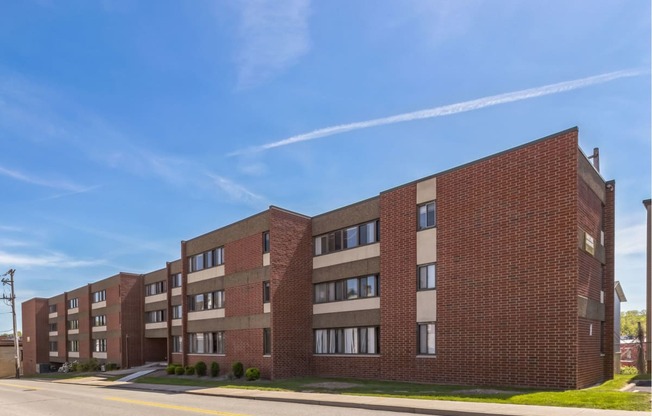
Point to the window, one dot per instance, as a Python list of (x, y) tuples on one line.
[(427, 276), (54, 346), (155, 316), (99, 320), (177, 343), (99, 345), (266, 294), (346, 289), (426, 339), (347, 341), (53, 327), (350, 237), (52, 308), (206, 343), (155, 288), (207, 259), (266, 242), (99, 296), (176, 280), (267, 341), (73, 324), (177, 311), (205, 301), (427, 217), (73, 346), (73, 303)]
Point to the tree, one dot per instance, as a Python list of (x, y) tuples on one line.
[(629, 323)]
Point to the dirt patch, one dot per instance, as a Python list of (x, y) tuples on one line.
[(331, 385)]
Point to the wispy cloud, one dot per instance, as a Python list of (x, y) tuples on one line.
[(273, 35), (50, 260), (235, 191), (631, 240), (34, 180), (449, 109)]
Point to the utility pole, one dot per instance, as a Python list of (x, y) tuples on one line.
[(12, 298)]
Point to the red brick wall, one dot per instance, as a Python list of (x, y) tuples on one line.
[(35, 328), (609, 273), (398, 262), (291, 294), (353, 366), (507, 268), (243, 254), (132, 315)]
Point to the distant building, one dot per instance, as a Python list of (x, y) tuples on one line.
[(8, 356), (619, 297), (423, 282)]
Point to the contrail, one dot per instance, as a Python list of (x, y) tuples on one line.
[(449, 109)]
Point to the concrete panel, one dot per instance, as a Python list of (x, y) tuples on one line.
[(427, 246), (426, 190), (346, 256), (346, 306), (427, 306)]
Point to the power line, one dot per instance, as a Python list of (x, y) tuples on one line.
[(12, 298)]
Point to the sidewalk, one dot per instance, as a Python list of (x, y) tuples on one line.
[(428, 407)]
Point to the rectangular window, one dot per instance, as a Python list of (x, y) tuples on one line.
[(347, 289), (427, 276), (266, 294), (266, 242), (99, 296), (53, 327), (54, 346), (206, 259), (426, 339), (177, 312), (177, 343), (176, 280), (206, 343), (155, 316), (347, 340), (349, 237), (73, 303), (73, 324), (427, 217), (267, 341), (52, 308), (99, 320), (73, 346), (99, 345), (155, 288), (205, 301)]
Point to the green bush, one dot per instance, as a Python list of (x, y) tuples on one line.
[(93, 365), (170, 368), (630, 371), (238, 369), (179, 370), (111, 366), (252, 374), (215, 369), (74, 366), (190, 370), (200, 369)]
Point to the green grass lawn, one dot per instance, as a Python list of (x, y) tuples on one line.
[(605, 396)]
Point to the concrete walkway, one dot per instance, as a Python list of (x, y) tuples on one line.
[(428, 407)]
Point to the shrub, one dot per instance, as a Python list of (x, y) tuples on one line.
[(215, 369), (200, 369), (170, 368), (630, 371), (111, 366), (252, 373), (238, 369), (179, 370), (93, 365), (190, 370), (83, 367), (74, 366)]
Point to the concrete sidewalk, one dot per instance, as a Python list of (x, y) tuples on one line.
[(427, 407)]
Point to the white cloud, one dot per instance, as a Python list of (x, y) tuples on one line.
[(235, 191), (35, 180), (50, 260), (273, 36), (449, 109)]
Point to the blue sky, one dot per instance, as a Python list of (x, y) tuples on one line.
[(128, 126)]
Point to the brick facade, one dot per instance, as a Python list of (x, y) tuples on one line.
[(522, 245)]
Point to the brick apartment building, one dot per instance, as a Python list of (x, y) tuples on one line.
[(497, 272)]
